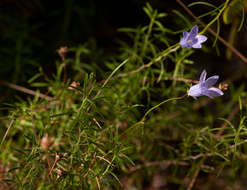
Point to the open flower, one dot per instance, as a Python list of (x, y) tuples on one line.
[(192, 39), (204, 87)]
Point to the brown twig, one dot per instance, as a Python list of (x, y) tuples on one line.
[(192, 182), (25, 90), (102, 158), (97, 181), (181, 79), (234, 50), (198, 156), (165, 164), (33, 93), (233, 146), (172, 79), (158, 163), (57, 157), (97, 123)]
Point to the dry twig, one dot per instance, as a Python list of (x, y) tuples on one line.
[(192, 182), (25, 90)]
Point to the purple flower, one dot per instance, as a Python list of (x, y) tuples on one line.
[(203, 88), (192, 39)]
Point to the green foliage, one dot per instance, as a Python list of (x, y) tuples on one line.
[(234, 9), (128, 118)]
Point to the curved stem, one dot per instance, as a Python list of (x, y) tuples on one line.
[(141, 122), (158, 105), (216, 18), (166, 52)]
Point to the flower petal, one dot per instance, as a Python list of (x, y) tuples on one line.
[(211, 81), (201, 38), (187, 42), (203, 76), (193, 32), (185, 34), (197, 45), (213, 92), (195, 91), (183, 43)]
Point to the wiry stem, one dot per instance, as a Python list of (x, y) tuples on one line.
[(25, 90), (164, 54), (216, 18)]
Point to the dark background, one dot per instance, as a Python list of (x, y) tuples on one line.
[(32, 31)]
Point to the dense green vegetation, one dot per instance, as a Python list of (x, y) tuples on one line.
[(118, 115)]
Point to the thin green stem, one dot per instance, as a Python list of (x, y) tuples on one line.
[(113, 72), (216, 18), (109, 165), (148, 34), (6, 133), (166, 52), (141, 122), (158, 105), (177, 67)]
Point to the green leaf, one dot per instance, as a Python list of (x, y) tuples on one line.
[(202, 3), (39, 84), (13, 169), (234, 9), (34, 78)]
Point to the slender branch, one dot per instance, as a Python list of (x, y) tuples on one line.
[(165, 164), (234, 50), (192, 182), (6, 133), (148, 33), (25, 90), (158, 105), (233, 146), (115, 70), (141, 122), (102, 158), (97, 180), (181, 79), (164, 54), (173, 79), (54, 163), (216, 18), (110, 76), (158, 163)]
